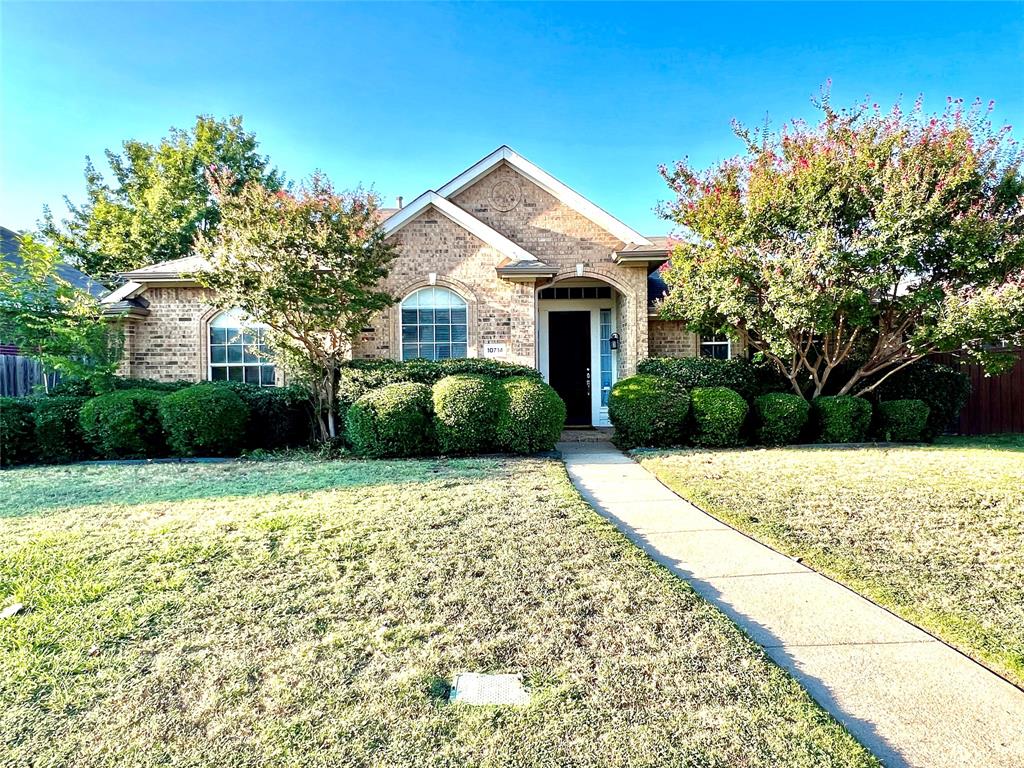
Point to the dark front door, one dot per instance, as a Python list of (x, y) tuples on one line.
[(569, 363)]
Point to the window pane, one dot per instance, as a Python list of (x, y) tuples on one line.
[(218, 335), (252, 374), (408, 333), (426, 333), (235, 353), (458, 350), (426, 316), (234, 374), (409, 316), (442, 333), (427, 351), (250, 355), (218, 354), (458, 316), (444, 351), (409, 351), (267, 375), (442, 316), (219, 374), (459, 333), (234, 335)]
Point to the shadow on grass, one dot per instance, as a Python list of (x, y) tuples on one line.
[(36, 490)]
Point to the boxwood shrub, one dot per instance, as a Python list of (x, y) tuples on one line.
[(395, 420), (279, 417), (902, 421), (736, 374), (17, 431), (124, 424), (648, 411), (466, 409), (779, 417), (204, 420), (531, 417), (841, 418), (943, 390), (718, 416), (59, 437)]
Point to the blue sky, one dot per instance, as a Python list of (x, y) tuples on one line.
[(403, 97)]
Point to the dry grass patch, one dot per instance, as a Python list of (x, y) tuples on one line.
[(311, 613), (935, 533)]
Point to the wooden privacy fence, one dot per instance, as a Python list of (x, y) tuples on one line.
[(20, 375), (996, 403)]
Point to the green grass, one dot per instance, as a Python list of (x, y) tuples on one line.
[(935, 533), (311, 614)]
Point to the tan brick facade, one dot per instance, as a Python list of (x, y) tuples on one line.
[(170, 344), (670, 339)]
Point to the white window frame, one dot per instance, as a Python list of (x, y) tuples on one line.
[(714, 341), (235, 318), (433, 289)]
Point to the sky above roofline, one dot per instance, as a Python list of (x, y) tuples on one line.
[(404, 97)]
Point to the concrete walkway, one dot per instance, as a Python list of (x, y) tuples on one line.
[(909, 698)]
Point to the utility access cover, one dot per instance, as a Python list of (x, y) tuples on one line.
[(474, 688)]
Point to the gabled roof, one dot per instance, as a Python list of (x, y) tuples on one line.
[(471, 224), (167, 270), (549, 184)]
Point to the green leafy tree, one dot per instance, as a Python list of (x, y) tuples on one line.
[(308, 265), (55, 322), (854, 247), (158, 200)]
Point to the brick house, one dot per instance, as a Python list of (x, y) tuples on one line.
[(503, 261)]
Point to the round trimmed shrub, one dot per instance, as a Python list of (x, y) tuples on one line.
[(718, 416), (780, 417), (395, 420), (279, 417), (466, 409), (841, 418), (124, 424), (17, 431), (204, 420), (59, 437), (902, 421), (649, 411), (944, 390), (531, 417)]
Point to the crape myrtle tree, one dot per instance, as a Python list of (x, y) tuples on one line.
[(306, 263), (849, 249), (158, 199), (55, 322)]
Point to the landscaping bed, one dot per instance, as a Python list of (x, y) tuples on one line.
[(934, 533), (306, 613)]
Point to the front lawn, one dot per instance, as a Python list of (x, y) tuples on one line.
[(311, 614), (935, 533)]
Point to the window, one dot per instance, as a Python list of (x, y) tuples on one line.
[(434, 325), (577, 292), (606, 355), (239, 350), (717, 346)]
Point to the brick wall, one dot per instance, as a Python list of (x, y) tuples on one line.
[(170, 344)]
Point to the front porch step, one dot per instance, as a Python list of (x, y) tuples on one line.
[(593, 435)]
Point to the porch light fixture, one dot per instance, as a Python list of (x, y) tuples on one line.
[(613, 341)]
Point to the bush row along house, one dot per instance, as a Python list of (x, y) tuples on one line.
[(504, 261)]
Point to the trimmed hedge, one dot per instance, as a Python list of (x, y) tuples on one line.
[(466, 409), (204, 420), (279, 417), (902, 421), (531, 417), (737, 374), (648, 411), (17, 431), (841, 418), (942, 389), (780, 417), (395, 420), (718, 416), (59, 437), (124, 424)]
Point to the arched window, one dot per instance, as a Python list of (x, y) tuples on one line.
[(434, 324), (238, 350)]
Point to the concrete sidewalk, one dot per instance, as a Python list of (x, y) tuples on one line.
[(909, 698)]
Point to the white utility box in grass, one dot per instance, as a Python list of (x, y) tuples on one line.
[(474, 688)]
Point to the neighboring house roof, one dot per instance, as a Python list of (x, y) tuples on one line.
[(10, 244), (167, 270), (470, 223), (547, 182), (657, 250)]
